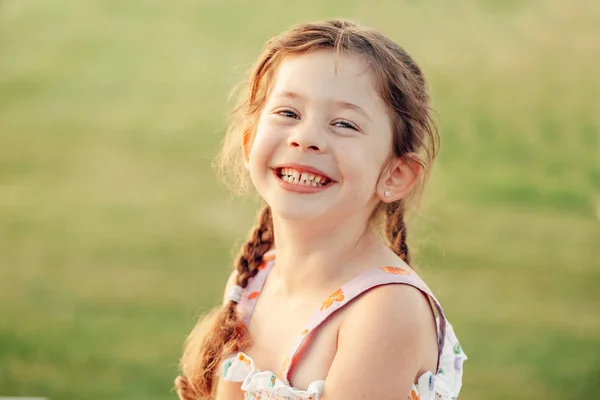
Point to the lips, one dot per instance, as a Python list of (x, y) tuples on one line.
[(302, 176)]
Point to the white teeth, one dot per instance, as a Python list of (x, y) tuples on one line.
[(301, 178)]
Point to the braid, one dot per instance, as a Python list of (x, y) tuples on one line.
[(395, 229), (222, 332), (261, 241)]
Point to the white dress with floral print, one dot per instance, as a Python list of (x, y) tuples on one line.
[(444, 385)]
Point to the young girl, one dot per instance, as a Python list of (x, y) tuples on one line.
[(335, 133)]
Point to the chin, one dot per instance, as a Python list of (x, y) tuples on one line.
[(298, 212)]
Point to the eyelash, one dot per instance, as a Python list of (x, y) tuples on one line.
[(284, 112), (345, 123)]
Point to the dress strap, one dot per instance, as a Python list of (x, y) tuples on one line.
[(362, 283), (245, 307)]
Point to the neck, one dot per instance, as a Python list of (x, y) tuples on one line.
[(317, 256)]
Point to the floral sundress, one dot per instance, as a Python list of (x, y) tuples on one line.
[(445, 384)]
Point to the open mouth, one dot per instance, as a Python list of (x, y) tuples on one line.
[(295, 177)]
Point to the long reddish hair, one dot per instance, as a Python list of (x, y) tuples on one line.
[(401, 85)]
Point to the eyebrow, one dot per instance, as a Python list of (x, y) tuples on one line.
[(342, 104), (354, 107)]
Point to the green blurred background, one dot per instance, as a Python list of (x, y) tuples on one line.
[(115, 233)]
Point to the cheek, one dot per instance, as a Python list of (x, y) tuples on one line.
[(362, 167), (360, 163), (263, 145)]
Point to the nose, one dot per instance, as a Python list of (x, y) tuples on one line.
[(307, 137)]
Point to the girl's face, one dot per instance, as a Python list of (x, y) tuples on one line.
[(321, 140)]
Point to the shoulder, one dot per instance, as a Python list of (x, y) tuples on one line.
[(269, 256), (391, 310), (391, 329)]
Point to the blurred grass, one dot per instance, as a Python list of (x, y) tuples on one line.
[(115, 234)]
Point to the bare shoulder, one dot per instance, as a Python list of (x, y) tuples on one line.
[(396, 304), (397, 311), (390, 328)]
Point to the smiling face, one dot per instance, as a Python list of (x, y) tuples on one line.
[(322, 139)]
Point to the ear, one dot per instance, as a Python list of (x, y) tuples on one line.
[(400, 176)]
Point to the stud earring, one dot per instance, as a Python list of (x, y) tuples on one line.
[(387, 193)]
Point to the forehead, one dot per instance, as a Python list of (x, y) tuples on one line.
[(323, 75)]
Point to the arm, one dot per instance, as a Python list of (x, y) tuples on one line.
[(224, 390), (229, 390), (386, 339)]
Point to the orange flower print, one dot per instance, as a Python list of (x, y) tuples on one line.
[(338, 295), (253, 295), (414, 395), (243, 359), (396, 270), (304, 332)]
